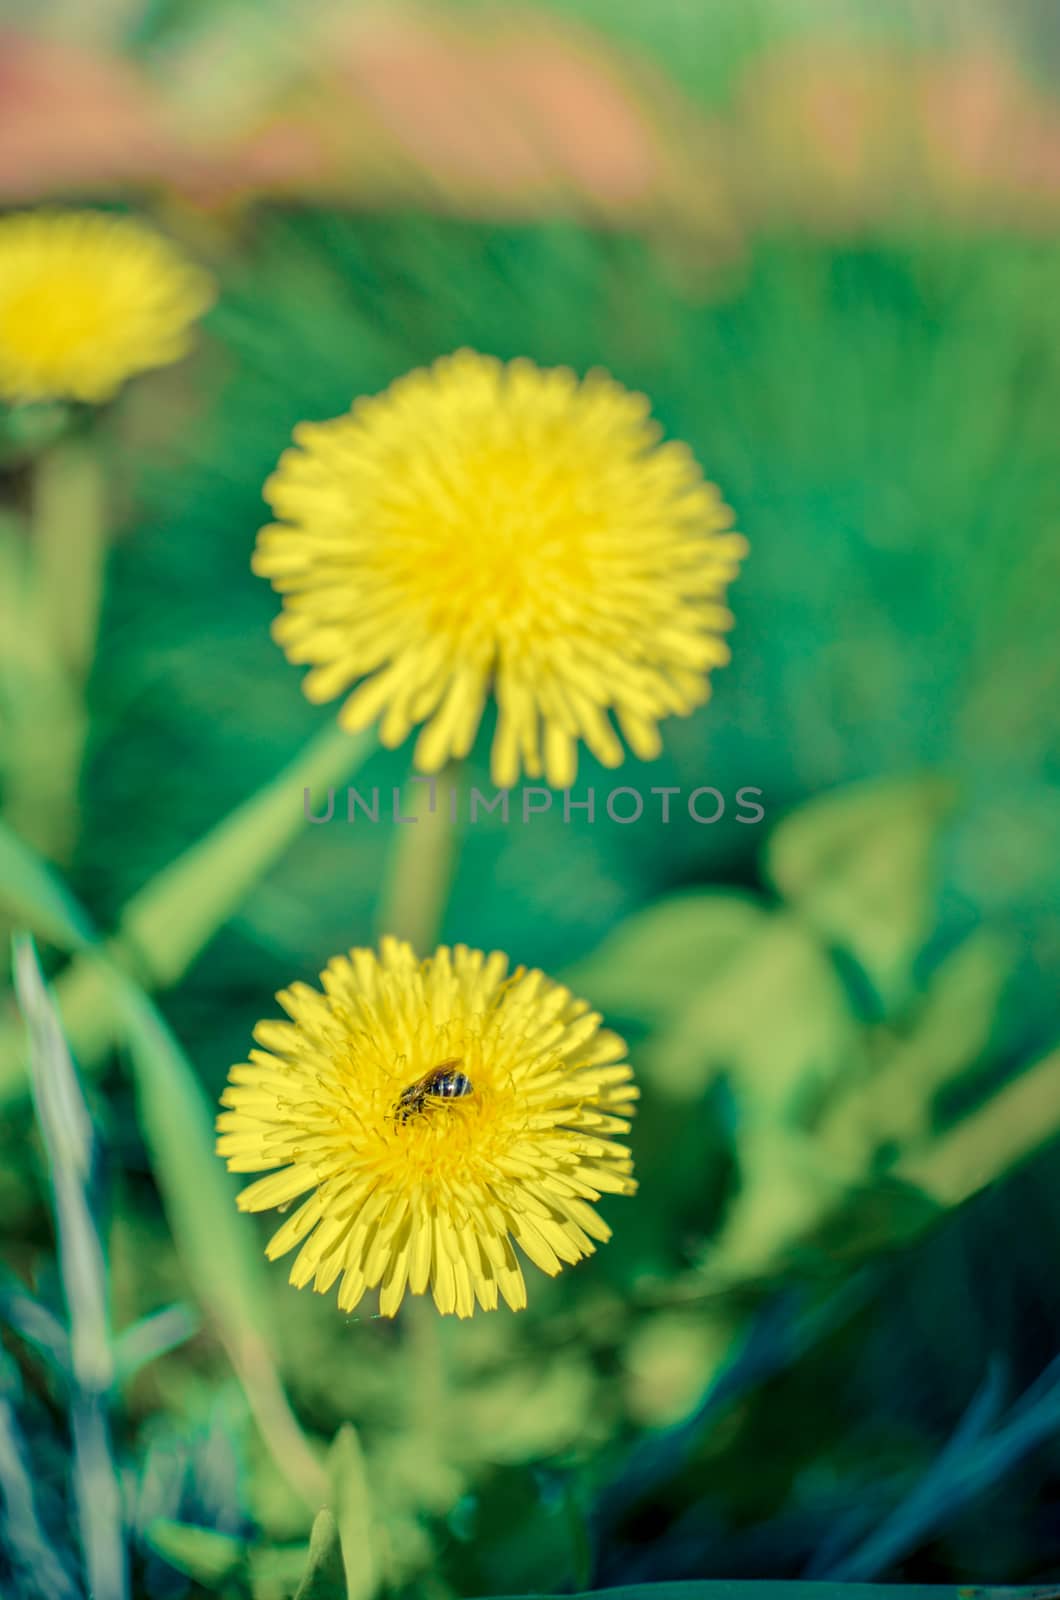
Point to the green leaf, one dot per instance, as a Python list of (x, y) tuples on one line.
[(325, 1576), (657, 959), (950, 1032), (880, 1218), (993, 1139), (351, 1498), (773, 1016), (781, 1589), (785, 1193), (34, 896), (857, 864), (727, 986)]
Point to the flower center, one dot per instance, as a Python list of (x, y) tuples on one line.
[(497, 543)]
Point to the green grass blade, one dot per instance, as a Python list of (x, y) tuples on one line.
[(67, 1133), (351, 1498), (29, 1549), (211, 1558), (169, 922), (325, 1576), (33, 896), (152, 1336), (34, 1323)]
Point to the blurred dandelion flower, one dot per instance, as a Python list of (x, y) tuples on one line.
[(483, 527), (86, 301), (409, 1191)]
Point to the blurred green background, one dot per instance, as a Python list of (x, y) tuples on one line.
[(822, 238)]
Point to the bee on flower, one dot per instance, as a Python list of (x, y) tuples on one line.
[(429, 1117), (487, 530)]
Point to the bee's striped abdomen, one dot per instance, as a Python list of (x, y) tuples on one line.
[(447, 1085)]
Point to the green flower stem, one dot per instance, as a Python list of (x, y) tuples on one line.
[(171, 920), (427, 1382), (69, 540), (431, 1409), (56, 630), (422, 864), (271, 1410)]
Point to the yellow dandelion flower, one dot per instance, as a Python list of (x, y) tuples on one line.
[(485, 528), (429, 1116), (86, 301)]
